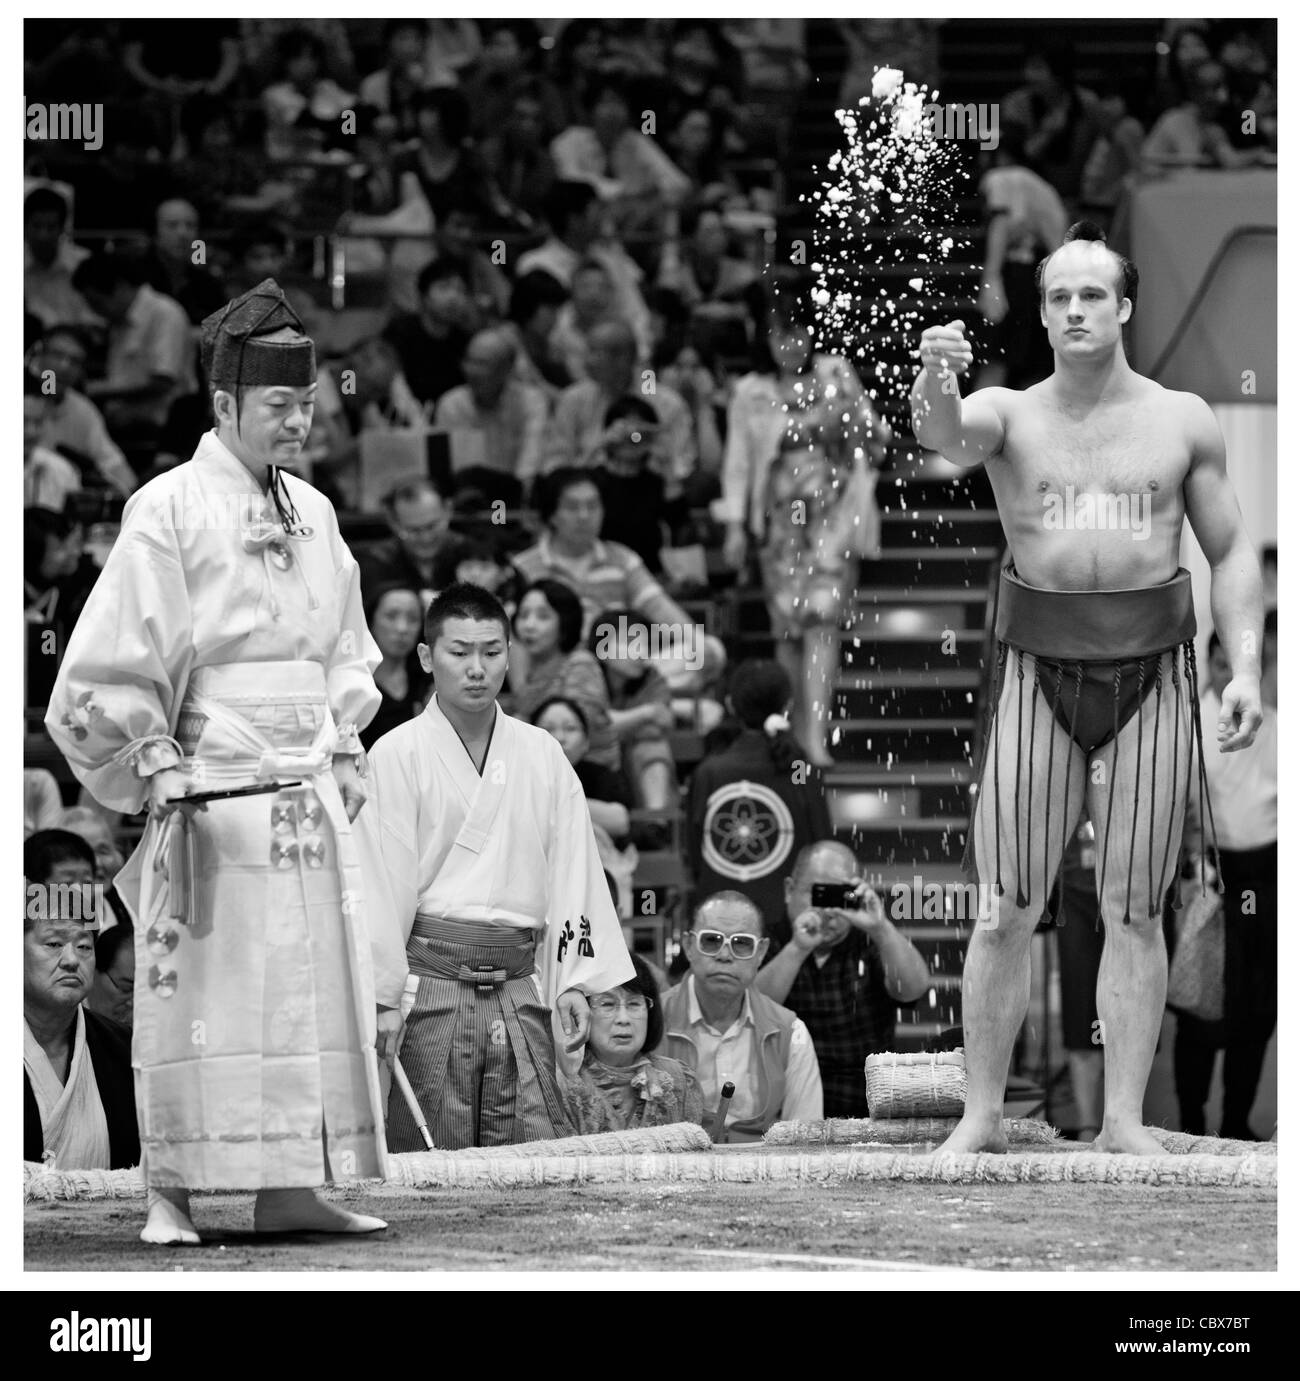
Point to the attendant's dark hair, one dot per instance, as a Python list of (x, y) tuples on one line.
[(568, 608), (759, 688), (644, 983), (1127, 281), (464, 601), (571, 705), (551, 487), (108, 942), (46, 849)]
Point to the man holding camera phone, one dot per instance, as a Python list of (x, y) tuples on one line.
[(862, 968)]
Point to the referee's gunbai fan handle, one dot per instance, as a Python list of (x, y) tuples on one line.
[(719, 1132)]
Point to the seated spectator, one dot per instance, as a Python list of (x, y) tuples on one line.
[(581, 50), (575, 223), (57, 579), (420, 519), (169, 264), (112, 991), (756, 800), (1026, 217), (452, 48), (432, 341), (1192, 135), (1114, 155), (627, 168), (535, 302), (88, 824), (691, 370), (304, 107), (178, 63), (637, 511), (1252, 84), (443, 167), (259, 251), (48, 477), (78, 1087), (725, 1029), (609, 802), (721, 289), (548, 630), (150, 361), (504, 69), (1184, 46), (622, 1083), (507, 418), (49, 260), (862, 967), (458, 237), (591, 306), (702, 71), (697, 143), (579, 424), (476, 559), (605, 574), (395, 617), (42, 800), (515, 152), (1055, 111), (74, 426), (640, 704), (392, 92)]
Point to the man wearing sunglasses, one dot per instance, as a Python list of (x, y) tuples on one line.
[(724, 1029)]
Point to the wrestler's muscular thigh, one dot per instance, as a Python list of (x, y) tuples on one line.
[(1021, 830), (1139, 783)]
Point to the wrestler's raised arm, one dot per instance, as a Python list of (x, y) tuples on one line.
[(964, 431), (1236, 587)]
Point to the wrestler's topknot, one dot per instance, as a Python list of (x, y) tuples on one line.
[(1085, 230), (1090, 230)]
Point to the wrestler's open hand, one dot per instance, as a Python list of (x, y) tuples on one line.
[(350, 786), (945, 348), (575, 1017), (389, 1025), (1240, 714)]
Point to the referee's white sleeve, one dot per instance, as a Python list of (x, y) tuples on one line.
[(803, 1079)]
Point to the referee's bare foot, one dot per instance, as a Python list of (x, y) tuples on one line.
[(168, 1224), (1127, 1139), (301, 1210), (973, 1134)]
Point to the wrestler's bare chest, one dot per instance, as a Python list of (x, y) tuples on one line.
[(1093, 498)]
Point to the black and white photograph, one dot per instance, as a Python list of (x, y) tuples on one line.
[(651, 661)]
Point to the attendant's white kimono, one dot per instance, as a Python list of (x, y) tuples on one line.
[(511, 848), (214, 642)]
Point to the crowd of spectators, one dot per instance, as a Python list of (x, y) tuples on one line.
[(563, 369), (1067, 151)]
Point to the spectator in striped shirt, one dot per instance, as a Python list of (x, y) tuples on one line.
[(843, 973), (608, 575)]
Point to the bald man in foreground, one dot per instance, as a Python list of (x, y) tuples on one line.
[(1094, 471)]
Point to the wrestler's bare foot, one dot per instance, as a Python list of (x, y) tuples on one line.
[(300, 1210), (974, 1134), (1127, 1139), (169, 1223)]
